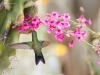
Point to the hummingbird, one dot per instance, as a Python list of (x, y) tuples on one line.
[(35, 44)]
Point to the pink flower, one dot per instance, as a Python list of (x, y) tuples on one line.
[(14, 26), (32, 26), (48, 15), (52, 22), (57, 22), (79, 37), (71, 43), (61, 24), (99, 50), (58, 31), (46, 21), (77, 31), (69, 32), (65, 16), (50, 29), (84, 33), (55, 14), (67, 24), (36, 20), (99, 61), (25, 25), (27, 17), (88, 21), (68, 35), (84, 20), (35, 23), (78, 34), (21, 29), (59, 37)]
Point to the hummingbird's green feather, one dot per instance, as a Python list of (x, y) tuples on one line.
[(35, 45), (44, 43), (23, 45), (28, 45), (37, 48)]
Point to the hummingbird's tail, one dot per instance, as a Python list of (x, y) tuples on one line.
[(39, 58)]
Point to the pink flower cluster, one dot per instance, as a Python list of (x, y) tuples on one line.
[(30, 23), (83, 21), (60, 23), (99, 53), (57, 22)]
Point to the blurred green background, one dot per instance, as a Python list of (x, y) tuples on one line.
[(60, 59)]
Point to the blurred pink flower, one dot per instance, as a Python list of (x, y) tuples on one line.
[(67, 24), (59, 37), (14, 26), (57, 22), (79, 37), (52, 22), (65, 16), (78, 34), (61, 24), (35, 20), (50, 29), (84, 33), (84, 21), (25, 25), (99, 61), (55, 14), (99, 50), (27, 16), (88, 21), (21, 29), (58, 31), (48, 15), (45, 21), (71, 43), (35, 23), (32, 26), (69, 33)]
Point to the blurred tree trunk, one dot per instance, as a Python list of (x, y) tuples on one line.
[(73, 63)]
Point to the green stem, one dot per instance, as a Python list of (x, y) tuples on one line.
[(88, 43), (90, 30), (75, 23)]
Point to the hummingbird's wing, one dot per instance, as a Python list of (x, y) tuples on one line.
[(23, 45), (28, 45), (44, 43)]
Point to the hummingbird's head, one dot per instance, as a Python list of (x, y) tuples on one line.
[(34, 33)]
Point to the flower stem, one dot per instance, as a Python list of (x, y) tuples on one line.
[(75, 23), (90, 30), (88, 43)]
